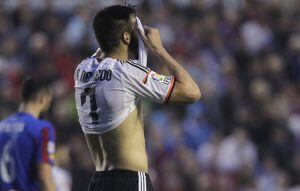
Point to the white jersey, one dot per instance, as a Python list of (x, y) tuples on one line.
[(107, 92)]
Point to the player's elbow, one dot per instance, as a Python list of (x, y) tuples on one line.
[(195, 95), (185, 94), (191, 94)]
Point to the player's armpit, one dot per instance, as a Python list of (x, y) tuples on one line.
[(45, 176)]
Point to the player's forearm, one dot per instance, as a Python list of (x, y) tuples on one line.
[(178, 71), (49, 187), (186, 89), (47, 182)]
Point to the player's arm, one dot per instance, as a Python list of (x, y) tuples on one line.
[(185, 89), (45, 175), (45, 157)]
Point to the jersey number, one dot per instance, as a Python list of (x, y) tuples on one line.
[(91, 93), (7, 164)]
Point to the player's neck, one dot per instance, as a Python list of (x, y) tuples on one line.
[(118, 54), (30, 109)]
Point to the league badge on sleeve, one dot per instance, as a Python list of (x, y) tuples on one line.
[(161, 78), (51, 149)]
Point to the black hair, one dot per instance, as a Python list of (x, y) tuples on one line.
[(110, 23), (32, 87)]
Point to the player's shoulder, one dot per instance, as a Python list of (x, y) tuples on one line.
[(93, 63), (134, 66), (43, 124), (85, 69), (18, 117), (43, 128), (86, 63), (7, 119)]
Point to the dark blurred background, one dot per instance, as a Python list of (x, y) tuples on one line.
[(245, 55)]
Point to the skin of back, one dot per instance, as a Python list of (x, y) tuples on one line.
[(121, 148)]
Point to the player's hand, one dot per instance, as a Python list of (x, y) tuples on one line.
[(152, 38)]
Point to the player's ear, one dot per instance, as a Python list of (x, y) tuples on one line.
[(126, 38), (40, 97)]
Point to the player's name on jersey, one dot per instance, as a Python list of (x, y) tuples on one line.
[(12, 127), (99, 75)]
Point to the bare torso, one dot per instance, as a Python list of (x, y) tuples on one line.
[(121, 148)]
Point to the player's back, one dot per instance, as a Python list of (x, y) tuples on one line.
[(99, 89), (108, 114), (108, 98), (23, 145)]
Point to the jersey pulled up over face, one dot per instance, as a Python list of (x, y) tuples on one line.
[(107, 92), (25, 142)]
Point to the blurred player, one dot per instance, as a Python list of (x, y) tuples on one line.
[(61, 176), (27, 143), (108, 95)]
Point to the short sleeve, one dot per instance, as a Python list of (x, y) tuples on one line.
[(146, 83), (46, 145)]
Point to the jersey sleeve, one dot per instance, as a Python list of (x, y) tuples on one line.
[(46, 145), (146, 83)]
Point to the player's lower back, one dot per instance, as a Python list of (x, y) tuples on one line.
[(121, 148)]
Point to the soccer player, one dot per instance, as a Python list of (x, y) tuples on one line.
[(109, 91), (27, 142)]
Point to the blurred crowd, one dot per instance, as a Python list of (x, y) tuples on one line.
[(243, 134)]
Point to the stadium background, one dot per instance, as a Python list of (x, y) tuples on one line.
[(245, 55)]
